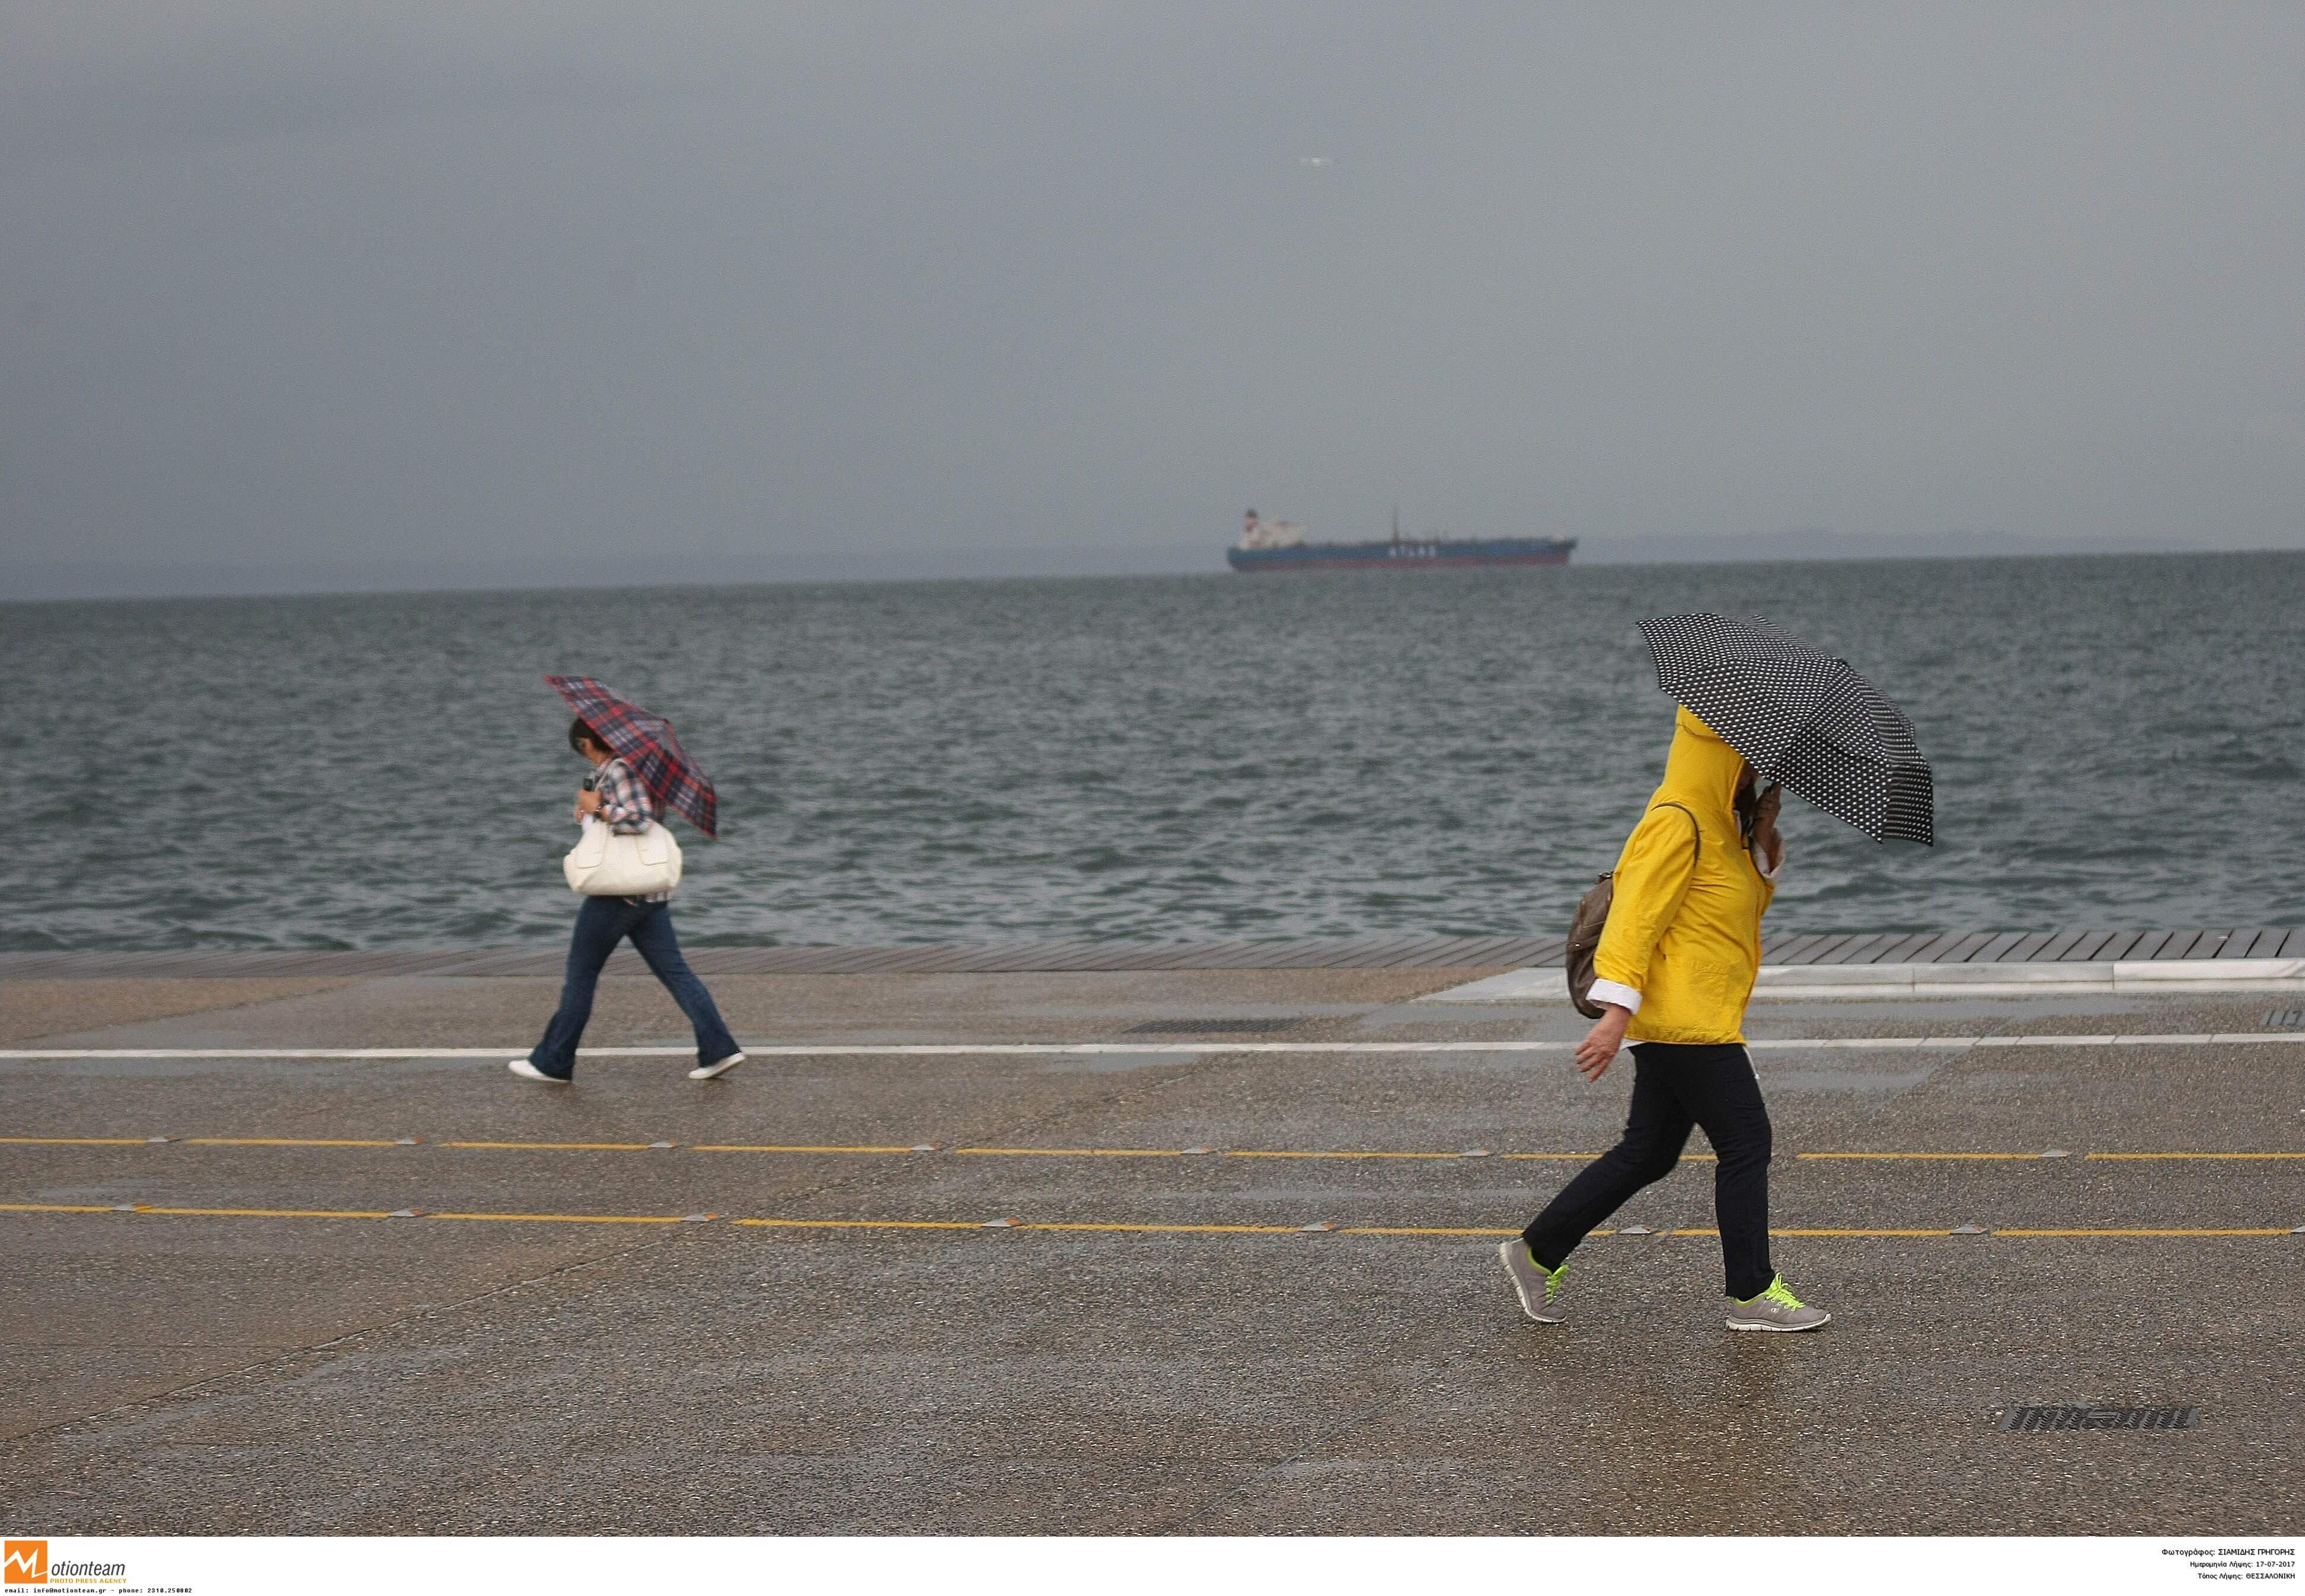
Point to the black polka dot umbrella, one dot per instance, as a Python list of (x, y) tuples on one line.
[(1801, 716)]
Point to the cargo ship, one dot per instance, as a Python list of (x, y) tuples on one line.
[(1282, 546)]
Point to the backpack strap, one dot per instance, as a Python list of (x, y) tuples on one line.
[(1696, 832)]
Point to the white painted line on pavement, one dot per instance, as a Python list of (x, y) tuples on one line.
[(1547, 983), (1181, 1049)]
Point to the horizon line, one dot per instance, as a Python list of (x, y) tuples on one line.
[(1898, 549)]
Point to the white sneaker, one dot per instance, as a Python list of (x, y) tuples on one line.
[(529, 1072), (705, 1071)]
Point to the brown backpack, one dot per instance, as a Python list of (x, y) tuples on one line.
[(1592, 918)]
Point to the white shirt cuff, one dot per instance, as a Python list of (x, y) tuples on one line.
[(1623, 997), (1767, 873)]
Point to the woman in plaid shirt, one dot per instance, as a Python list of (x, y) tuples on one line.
[(621, 800)]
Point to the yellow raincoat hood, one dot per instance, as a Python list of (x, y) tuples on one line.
[(1684, 927)]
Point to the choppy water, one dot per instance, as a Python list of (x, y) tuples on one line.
[(2116, 743)]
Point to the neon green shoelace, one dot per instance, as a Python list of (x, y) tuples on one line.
[(1778, 1294)]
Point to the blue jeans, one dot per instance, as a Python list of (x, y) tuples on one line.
[(600, 925)]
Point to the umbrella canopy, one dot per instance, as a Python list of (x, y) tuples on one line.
[(1801, 716), (645, 741)]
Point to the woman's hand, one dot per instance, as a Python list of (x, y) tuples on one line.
[(1599, 1047), (1766, 835), (587, 803)]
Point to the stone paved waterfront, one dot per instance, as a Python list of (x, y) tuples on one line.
[(1157, 1343)]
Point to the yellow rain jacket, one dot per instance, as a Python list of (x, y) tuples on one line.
[(1684, 932)]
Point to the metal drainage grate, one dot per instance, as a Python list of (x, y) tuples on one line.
[(1205, 1027), (2284, 1019), (2073, 1415)]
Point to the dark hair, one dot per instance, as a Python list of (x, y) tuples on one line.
[(579, 735)]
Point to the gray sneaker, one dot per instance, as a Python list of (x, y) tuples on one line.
[(1776, 1309), (1540, 1289)]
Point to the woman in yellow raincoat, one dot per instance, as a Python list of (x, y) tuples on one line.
[(1674, 969)]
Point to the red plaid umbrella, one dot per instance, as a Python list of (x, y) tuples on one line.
[(645, 741)]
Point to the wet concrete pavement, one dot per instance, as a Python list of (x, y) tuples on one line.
[(578, 1354)]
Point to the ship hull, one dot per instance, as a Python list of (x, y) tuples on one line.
[(1418, 554)]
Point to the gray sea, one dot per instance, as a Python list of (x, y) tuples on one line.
[(2116, 743)]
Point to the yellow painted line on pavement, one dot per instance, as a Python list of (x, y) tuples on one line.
[(869, 1224), (552, 1146), (213, 1213), (1438, 1156), (333, 1213), (1107, 1226), (572, 1219), (278, 1142), (1073, 1152), (2232, 1156), (1846, 1234), (74, 1141), (1252, 1152), (742, 1147), (1936, 1232), (265, 1213), (1164, 1229), (2283, 1231), (55, 1208), (1580, 1158), (1949, 1158), (1856, 1235)]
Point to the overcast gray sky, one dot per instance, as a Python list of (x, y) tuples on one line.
[(532, 292)]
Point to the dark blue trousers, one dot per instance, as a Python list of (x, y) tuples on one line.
[(1675, 1088), (600, 925)]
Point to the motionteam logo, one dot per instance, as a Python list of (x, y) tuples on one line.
[(24, 1563), (2071, 1416)]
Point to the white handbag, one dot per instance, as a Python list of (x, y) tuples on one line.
[(606, 863)]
